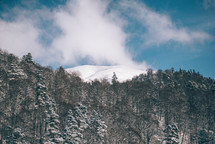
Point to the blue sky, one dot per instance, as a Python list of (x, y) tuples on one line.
[(141, 33)]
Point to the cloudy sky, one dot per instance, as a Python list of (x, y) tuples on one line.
[(143, 33)]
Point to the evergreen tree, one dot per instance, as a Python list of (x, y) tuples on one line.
[(171, 134), (27, 58), (40, 107), (17, 137), (41, 90), (203, 137), (72, 130), (80, 114), (114, 78), (53, 134), (213, 88), (48, 117), (15, 73), (98, 126)]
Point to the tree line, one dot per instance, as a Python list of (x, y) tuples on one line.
[(41, 105)]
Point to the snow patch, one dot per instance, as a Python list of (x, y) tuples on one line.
[(90, 72)]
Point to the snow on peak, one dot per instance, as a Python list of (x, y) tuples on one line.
[(91, 72)]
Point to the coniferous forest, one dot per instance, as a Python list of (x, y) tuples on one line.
[(39, 105)]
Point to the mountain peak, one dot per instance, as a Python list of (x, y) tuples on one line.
[(92, 72)]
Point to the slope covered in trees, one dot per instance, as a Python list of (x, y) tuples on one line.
[(40, 105)]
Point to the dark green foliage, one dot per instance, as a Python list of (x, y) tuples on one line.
[(203, 137)]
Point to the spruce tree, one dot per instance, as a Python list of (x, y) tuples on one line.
[(53, 134), (203, 137), (72, 130), (15, 73), (114, 78), (40, 107), (98, 126), (48, 118), (171, 134), (41, 90), (80, 114), (27, 58), (17, 137)]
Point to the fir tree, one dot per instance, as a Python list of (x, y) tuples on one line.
[(171, 134), (40, 107), (41, 90), (15, 73), (203, 137), (80, 114), (114, 78), (53, 134), (27, 58), (48, 117), (72, 130), (98, 126), (17, 137)]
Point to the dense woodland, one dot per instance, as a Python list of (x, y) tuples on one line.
[(39, 105)]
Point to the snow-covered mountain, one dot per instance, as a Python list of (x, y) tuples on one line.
[(91, 72)]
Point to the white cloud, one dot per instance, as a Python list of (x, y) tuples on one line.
[(88, 32), (159, 27), (20, 37)]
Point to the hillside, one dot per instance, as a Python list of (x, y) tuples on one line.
[(41, 105)]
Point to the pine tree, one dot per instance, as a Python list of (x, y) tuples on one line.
[(15, 73), (72, 130), (27, 58), (171, 134), (53, 134), (41, 90), (40, 107), (48, 117), (80, 114), (15, 77), (203, 137), (17, 137), (114, 78), (98, 126)]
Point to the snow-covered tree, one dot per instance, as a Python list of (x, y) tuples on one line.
[(98, 126), (53, 134), (171, 135), (41, 90), (40, 107), (48, 121), (27, 58), (80, 114), (72, 130), (17, 137), (15, 73)]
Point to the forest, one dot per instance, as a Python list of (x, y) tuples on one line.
[(39, 105)]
